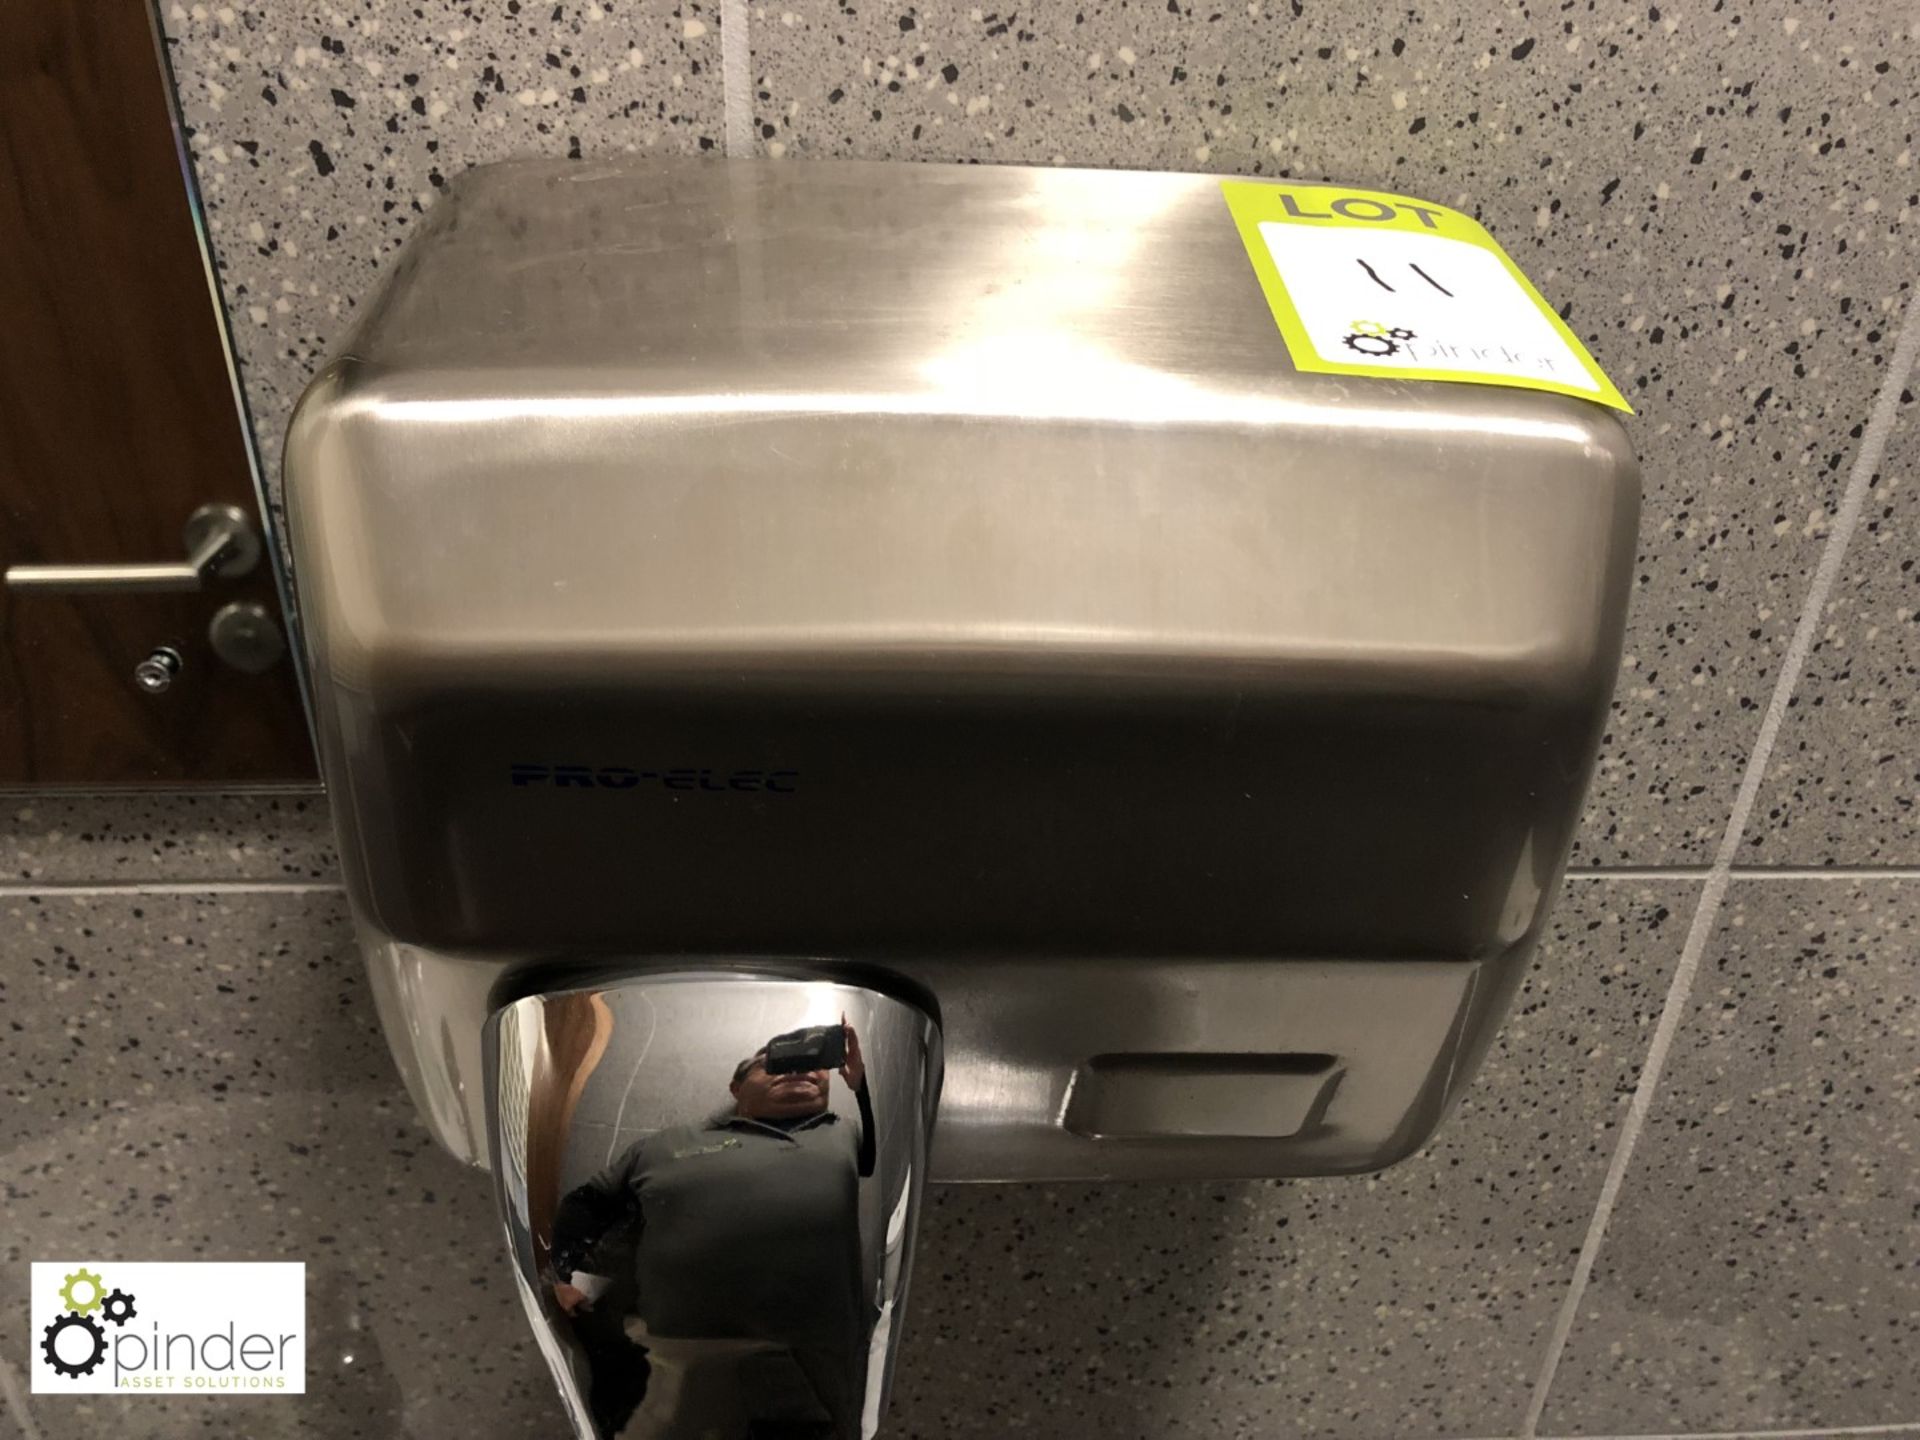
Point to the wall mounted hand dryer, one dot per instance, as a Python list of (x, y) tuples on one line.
[(833, 676)]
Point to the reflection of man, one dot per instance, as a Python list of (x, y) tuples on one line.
[(745, 1279)]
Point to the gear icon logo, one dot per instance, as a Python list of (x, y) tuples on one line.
[(95, 1291), (74, 1369), (1371, 338), (118, 1307), (76, 1341)]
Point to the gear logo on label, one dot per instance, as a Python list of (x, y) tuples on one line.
[(75, 1343), (1370, 337)]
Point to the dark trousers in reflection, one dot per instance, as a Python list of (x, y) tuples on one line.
[(746, 1388), (738, 1290), (620, 1370)]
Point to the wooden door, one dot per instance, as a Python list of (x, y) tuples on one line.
[(118, 419)]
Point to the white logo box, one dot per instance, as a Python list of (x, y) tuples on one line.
[(168, 1328)]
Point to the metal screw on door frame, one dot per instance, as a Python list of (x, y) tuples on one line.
[(155, 673)]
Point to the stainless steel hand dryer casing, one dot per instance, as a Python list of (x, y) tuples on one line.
[(940, 575)]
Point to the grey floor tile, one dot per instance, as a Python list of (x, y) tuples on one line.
[(203, 1077), (159, 837), (1720, 198), (1760, 1270), (320, 135), (414, 1328), (1844, 779), (117, 1002), (1414, 1302)]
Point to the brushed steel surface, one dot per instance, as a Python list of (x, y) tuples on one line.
[(1019, 1033), (942, 569), (706, 1249)]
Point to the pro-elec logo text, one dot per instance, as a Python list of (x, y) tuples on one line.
[(209, 1328), (685, 779)]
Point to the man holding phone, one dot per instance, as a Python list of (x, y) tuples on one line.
[(743, 1296)]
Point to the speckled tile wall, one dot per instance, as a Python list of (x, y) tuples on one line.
[(1845, 780), (1679, 1200), (1763, 1264), (160, 837)]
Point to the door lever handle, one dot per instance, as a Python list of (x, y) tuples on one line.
[(220, 543)]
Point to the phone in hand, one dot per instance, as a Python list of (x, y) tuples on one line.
[(818, 1047)]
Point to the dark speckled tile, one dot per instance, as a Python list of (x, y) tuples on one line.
[(203, 1077), (111, 1003), (414, 1326), (1720, 196), (1414, 1302), (161, 837), (1844, 779), (1760, 1271), (320, 134)]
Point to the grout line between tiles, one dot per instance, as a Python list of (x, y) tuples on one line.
[(736, 78), (14, 793), (1639, 872), (1873, 444), (15, 891), (1815, 872), (1751, 872), (1902, 1428), (16, 1401)]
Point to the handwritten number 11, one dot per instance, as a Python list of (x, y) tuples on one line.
[(1374, 276)]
